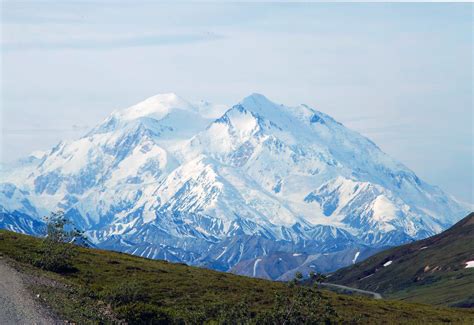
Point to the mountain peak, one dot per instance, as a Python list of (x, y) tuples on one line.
[(262, 106), (256, 99), (157, 106)]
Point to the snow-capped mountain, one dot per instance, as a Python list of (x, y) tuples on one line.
[(207, 185)]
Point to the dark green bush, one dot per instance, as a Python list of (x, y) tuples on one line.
[(191, 315), (125, 293), (238, 314), (141, 313), (56, 257), (298, 305)]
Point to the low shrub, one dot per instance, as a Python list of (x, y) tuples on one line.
[(143, 313), (125, 293), (238, 314), (55, 256)]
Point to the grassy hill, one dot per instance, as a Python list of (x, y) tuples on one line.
[(431, 271), (105, 287)]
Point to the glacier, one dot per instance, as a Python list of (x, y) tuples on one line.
[(230, 188)]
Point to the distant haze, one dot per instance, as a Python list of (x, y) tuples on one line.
[(400, 74)]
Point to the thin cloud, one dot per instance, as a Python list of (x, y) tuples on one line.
[(106, 44)]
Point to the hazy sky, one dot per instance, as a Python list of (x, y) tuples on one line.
[(400, 74)]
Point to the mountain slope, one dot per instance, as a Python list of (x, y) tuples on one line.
[(188, 182), (432, 270), (283, 266)]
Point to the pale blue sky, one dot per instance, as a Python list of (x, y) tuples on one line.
[(400, 74)]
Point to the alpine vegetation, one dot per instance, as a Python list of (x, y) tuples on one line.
[(258, 188)]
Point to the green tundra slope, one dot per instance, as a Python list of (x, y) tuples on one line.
[(107, 287), (431, 271)]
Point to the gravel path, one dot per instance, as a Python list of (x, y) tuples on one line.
[(17, 306), (375, 295)]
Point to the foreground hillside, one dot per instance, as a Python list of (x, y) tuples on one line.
[(106, 286), (433, 270)]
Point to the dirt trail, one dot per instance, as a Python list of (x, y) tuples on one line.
[(375, 295), (17, 306)]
